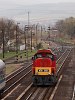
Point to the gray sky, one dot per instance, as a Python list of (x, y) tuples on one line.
[(28, 2), (13, 9)]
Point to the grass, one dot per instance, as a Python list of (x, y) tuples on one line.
[(24, 55), (7, 55), (12, 67), (11, 54)]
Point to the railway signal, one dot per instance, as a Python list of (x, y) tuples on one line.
[(49, 31), (26, 29)]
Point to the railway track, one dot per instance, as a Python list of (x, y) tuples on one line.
[(66, 87), (21, 85), (42, 93)]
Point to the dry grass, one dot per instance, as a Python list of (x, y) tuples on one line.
[(11, 67)]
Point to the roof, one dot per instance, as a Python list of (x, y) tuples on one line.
[(44, 51)]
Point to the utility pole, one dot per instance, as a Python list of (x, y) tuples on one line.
[(25, 36), (28, 20), (17, 41), (28, 31), (3, 41), (41, 33), (8, 37), (36, 36), (31, 38), (3, 38), (49, 31), (26, 40)]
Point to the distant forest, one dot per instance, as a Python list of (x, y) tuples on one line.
[(66, 26)]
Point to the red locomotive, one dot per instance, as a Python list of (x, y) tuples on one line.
[(44, 68)]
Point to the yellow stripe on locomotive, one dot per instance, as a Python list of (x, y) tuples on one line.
[(42, 71)]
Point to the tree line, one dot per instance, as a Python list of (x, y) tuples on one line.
[(66, 26), (10, 31), (7, 30)]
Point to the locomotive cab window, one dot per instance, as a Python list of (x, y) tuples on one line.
[(38, 56), (51, 56)]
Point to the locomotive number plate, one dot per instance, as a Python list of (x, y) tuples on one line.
[(43, 70)]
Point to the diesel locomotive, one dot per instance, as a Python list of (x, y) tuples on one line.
[(44, 68)]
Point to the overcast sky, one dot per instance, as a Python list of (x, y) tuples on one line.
[(29, 2), (13, 9)]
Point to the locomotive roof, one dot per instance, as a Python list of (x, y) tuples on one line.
[(2, 64), (45, 51)]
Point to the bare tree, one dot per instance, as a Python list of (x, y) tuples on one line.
[(67, 26)]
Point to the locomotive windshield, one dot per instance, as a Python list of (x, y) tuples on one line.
[(43, 55)]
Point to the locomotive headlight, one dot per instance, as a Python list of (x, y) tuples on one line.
[(36, 73), (52, 74), (49, 73)]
